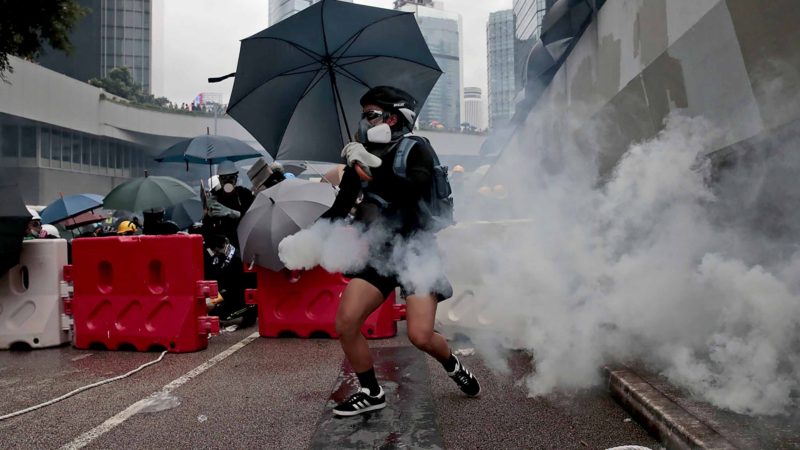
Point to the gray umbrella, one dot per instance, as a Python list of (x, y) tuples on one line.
[(299, 81), (277, 212)]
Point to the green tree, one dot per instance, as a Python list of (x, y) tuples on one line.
[(120, 82), (26, 24)]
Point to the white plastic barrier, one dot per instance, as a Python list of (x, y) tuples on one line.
[(31, 309)]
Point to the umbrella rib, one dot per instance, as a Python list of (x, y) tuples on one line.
[(347, 74), (399, 58), (284, 73), (312, 85)]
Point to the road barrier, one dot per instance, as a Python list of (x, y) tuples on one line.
[(304, 304), (140, 293), (31, 313)]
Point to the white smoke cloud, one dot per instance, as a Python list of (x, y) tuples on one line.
[(347, 248), (640, 268)]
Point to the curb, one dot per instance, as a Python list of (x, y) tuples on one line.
[(676, 427)]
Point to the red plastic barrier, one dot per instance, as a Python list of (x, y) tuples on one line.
[(140, 292), (304, 304)]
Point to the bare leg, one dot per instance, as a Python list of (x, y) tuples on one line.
[(420, 315), (359, 300)]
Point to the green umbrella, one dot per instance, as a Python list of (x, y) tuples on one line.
[(141, 194)]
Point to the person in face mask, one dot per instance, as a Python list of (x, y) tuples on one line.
[(391, 202), (227, 203)]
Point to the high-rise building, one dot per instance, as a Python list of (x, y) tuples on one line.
[(528, 16), (114, 33), (500, 54), (442, 32), (281, 9), (473, 108)]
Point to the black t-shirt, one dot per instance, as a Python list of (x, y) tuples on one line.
[(401, 195)]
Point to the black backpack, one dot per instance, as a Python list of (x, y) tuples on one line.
[(437, 210)]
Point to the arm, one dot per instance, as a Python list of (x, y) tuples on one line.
[(348, 193)]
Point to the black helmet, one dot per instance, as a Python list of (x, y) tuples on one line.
[(392, 99)]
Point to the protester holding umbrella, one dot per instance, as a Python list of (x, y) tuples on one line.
[(390, 201)]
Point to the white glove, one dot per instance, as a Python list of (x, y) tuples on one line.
[(355, 152), (217, 209)]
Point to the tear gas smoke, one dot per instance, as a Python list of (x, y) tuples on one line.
[(347, 248), (647, 266)]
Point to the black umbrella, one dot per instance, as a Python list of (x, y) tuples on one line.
[(186, 213), (298, 82), (209, 150), (14, 218)]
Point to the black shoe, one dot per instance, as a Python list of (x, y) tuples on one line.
[(360, 402), (465, 380)]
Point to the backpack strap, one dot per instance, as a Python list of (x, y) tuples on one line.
[(403, 150)]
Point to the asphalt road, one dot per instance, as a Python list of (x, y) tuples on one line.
[(250, 392)]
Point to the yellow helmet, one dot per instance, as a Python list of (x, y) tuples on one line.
[(126, 227)]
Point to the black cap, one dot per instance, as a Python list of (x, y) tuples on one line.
[(389, 98)]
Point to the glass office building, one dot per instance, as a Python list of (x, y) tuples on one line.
[(528, 17), (442, 32), (500, 65), (281, 9), (114, 33)]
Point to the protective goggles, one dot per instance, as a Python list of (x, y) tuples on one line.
[(372, 115)]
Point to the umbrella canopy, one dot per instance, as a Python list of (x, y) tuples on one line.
[(277, 212), (186, 213), (141, 194), (299, 81), (70, 206), (14, 217), (209, 150), (87, 218)]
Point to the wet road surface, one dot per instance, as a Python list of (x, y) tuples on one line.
[(250, 392)]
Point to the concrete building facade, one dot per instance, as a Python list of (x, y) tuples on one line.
[(115, 33)]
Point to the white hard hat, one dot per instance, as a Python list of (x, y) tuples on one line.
[(33, 213), (227, 168), (51, 230)]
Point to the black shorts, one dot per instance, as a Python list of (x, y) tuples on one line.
[(387, 284)]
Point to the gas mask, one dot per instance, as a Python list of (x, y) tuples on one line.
[(369, 134), (228, 183)]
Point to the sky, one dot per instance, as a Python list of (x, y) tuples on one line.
[(200, 39)]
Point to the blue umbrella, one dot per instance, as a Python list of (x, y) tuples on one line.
[(209, 150), (299, 81), (70, 206)]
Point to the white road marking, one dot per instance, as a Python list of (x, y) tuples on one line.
[(89, 436)]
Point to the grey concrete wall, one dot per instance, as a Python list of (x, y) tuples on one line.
[(734, 62)]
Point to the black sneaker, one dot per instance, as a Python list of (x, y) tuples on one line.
[(465, 380), (360, 402)]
